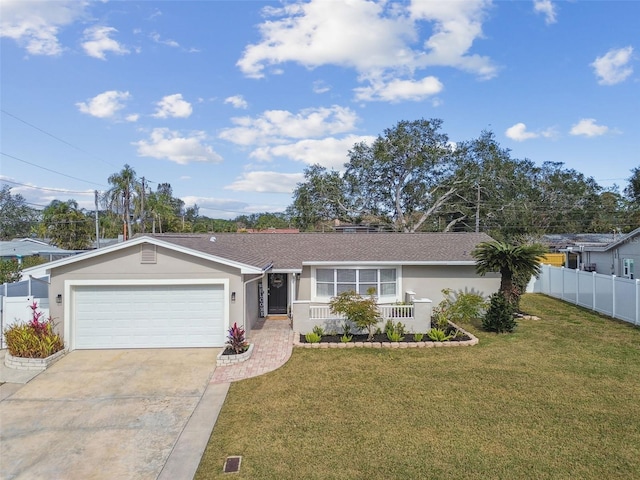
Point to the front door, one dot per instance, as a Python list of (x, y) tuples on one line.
[(277, 294)]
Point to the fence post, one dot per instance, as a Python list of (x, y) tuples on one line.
[(577, 284), (562, 282), (613, 294), (593, 290), (637, 302)]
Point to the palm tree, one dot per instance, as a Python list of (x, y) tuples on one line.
[(511, 261), (120, 196), (67, 225)]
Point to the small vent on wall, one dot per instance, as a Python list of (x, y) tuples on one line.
[(147, 253)]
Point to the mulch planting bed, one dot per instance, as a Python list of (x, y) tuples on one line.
[(382, 338)]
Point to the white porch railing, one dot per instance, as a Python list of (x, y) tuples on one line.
[(415, 318), (387, 312)]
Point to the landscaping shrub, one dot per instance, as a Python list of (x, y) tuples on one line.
[(458, 306), (35, 338), (313, 337), (438, 335), (359, 310), (236, 340), (499, 317)]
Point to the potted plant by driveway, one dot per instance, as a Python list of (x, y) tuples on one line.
[(237, 348), (33, 345)]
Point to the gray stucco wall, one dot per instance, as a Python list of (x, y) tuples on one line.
[(125, 264), (252, 310), (429, 281)]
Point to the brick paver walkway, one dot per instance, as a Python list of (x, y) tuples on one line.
[(272, 344)]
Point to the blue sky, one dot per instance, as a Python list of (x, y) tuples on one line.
[(229, 101)]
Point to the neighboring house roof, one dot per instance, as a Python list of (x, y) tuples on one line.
[(563, 240), (29, 247), (621, 240), (291, 252), (105, 242)]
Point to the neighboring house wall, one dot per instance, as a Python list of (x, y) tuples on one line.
[(611, 262), (126, 264)]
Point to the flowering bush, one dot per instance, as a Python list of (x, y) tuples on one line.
[(35, 338), (235, 339)]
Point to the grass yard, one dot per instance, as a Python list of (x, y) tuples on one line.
[(557, 399)]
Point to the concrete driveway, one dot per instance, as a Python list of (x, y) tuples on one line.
[(103, 414)]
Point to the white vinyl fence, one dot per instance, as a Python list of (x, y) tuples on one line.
[(614, 296), (15, 299)]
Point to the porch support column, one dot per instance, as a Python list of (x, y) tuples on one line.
[(422, 310)]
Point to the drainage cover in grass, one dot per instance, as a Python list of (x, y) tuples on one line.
[(232, 465)]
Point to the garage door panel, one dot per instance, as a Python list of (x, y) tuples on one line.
[(149, 316)]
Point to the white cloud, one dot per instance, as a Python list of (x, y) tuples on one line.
[(613, 67), (171, 145), (519, 133), (319, 86), (237, 101), (547, 8), (377, 39), (587, 127), (456, 25), (35, 25), (156, 38), (399, 90), (105, 104), (134, 117), (97, 42), (173, 106), (275, 126), (266, 182), (329, 152)]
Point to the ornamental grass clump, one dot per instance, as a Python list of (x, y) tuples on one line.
[(236, 341), (35, 338)]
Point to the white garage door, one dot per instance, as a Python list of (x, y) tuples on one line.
[(148, 316)]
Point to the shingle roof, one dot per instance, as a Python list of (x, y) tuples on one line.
[(290, 251), (20, 248)]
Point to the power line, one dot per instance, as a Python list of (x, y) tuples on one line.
[(57, 138), (50, 170), (44, 188)]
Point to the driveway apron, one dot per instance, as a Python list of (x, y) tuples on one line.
[(102, 414)]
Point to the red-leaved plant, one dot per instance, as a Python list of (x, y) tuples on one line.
[(236, 340), (39, 326), (35, 338)]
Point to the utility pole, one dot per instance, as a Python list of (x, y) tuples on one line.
[(142, 215), (97, 223), (478, 210)]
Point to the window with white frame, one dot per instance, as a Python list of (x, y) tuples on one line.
[(334, 281)]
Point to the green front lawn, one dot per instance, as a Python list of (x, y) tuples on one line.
[(557, 399)]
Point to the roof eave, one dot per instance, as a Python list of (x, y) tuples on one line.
[(391, 262), (244, 268)]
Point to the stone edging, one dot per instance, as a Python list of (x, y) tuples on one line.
[(34, 364), (465, 343), (224, 360)]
